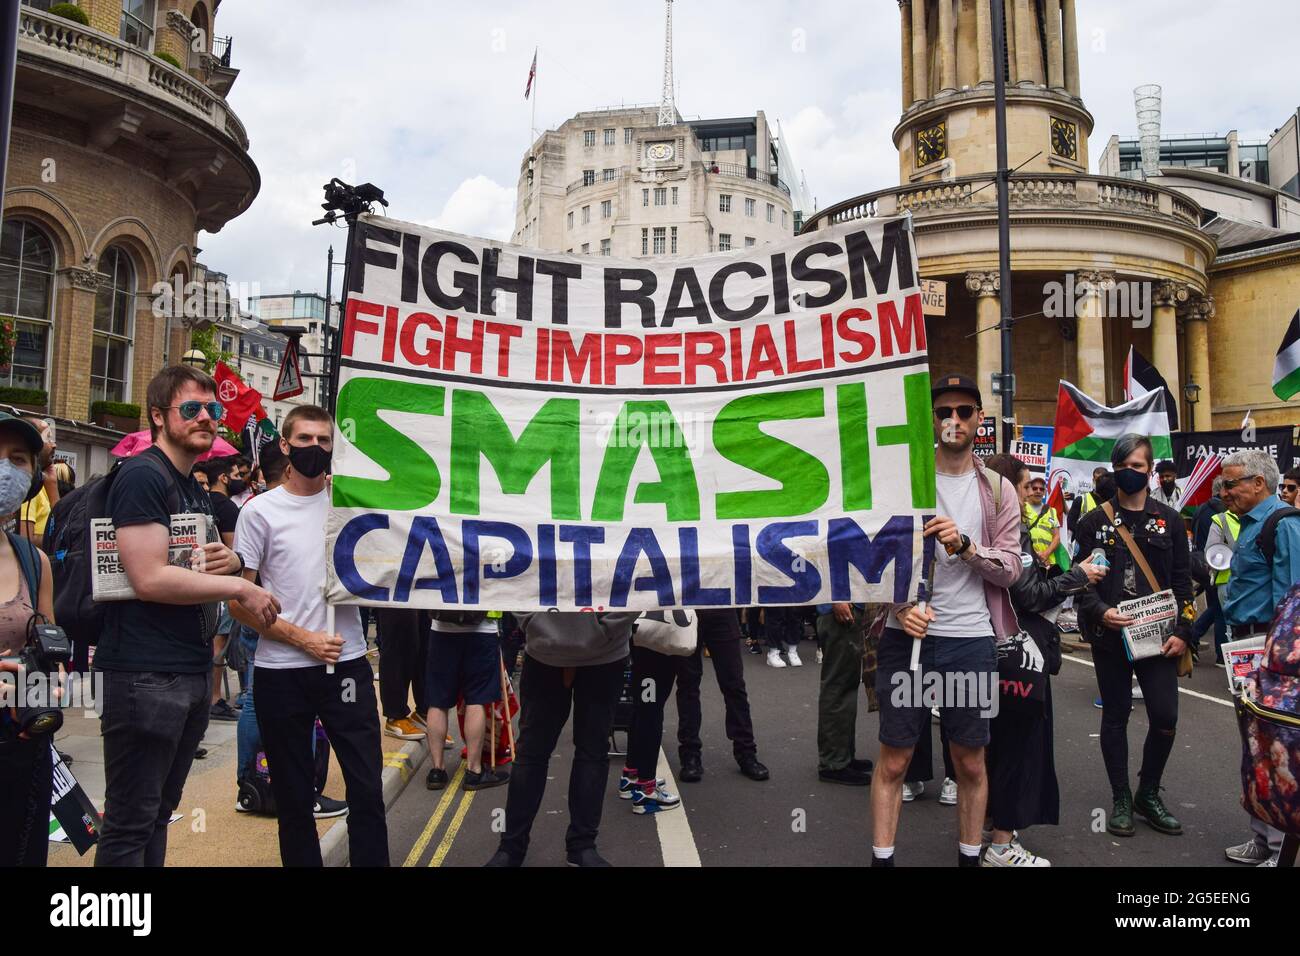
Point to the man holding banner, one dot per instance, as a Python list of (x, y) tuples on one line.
[(978, 526)]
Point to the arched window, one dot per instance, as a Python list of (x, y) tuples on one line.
[(110, 359), (27, 298)]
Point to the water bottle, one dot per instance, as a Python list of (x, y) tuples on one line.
[(1098, 557)]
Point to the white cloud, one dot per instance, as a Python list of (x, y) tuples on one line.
[(479, 207)]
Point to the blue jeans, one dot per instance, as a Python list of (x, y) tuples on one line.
[(248, 740)]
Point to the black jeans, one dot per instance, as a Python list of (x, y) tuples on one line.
[(1158, 678), (288, 702), (646, 734), (545, 694), (26, 784), (720, 633), (152, 723), (404, 634)]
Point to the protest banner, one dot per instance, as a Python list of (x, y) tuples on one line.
[(1034, 454), (1190, 447), (522, 430), (986, 438)]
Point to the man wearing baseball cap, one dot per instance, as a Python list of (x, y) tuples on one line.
[(977, 526)]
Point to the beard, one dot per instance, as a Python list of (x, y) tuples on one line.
[(957, 444), (194, 438)]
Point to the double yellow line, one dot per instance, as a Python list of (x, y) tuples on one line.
[(453, 828)]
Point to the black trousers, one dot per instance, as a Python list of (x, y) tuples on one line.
[(545, 696), (404, 637), (26, 784), (288, 702), (1158, 678), (151, 723), (652, 681), (720, 633)]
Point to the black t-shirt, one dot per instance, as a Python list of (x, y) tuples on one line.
[(144, 635), (225, 511)]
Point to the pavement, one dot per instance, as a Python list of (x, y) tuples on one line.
[(726, 819)]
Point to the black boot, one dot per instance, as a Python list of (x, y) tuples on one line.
[(1152, 809), (1121, 814), (692, 768), (752, 768)]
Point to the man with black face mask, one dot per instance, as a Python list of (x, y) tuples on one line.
[(1159, 535), (1168, 492), (281, 536)]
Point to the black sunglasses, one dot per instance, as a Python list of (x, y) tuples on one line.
[(190, 410), (947, 411)]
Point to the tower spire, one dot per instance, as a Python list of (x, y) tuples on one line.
[(667, 109)]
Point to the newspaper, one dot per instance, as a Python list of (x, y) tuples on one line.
[(189, 532), (1241, 659), (1154, 617)]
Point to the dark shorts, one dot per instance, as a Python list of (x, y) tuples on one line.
[(967, 695), (462, 665)]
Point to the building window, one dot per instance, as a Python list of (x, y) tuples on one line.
[(645, 242), (610, 135), (645, 197), (749, 208), (110, 356), (749, 241), (674, 195), (586, 248), (588, 137), (724, 242), (137, 22), (784, 217), (27, 295), (586, 215), (227, 344), (588, 177), (607, 209), (673, 248), (771, 212), (627, 134), (609, 175), (660, 237), (661, 196), (724, 202), (570, 219), (604, 247)]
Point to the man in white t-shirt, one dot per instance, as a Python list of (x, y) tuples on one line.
[(977, 556), (281, 536)]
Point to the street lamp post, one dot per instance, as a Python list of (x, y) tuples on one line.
[(1191, 395)]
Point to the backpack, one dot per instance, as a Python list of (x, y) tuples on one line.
[(1267, 540), (67, 537), (1268, 716)]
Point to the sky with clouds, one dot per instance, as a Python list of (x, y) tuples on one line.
[(425, 97)]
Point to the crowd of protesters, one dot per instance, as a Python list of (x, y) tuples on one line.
[(251, 602)]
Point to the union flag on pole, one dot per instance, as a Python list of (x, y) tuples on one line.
[(532, 73)]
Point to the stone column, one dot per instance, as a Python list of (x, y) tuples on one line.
[(1196, 335), (985, 286), (1070, 46), (947, 47), (1025, 52), (1165, 299), (984, 37), (1055, 59), (905, 13), (1009, 28), (1090, 343), (920, 53)]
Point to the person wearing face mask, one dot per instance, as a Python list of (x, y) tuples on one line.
[(34, 514), (221, 485), (281, 538), (26, 768), (1161, 538), (1167, 491)]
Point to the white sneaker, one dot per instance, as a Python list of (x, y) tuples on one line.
[(948, 793), (819, 655), (774, 658), (913, 790), (1271, 861), (792, 655), (1248, 852), (1013, 855)]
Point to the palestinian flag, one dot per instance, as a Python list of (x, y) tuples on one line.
[(1142, 378), (1286, 367), (1085, 433)]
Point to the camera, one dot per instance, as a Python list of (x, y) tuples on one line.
[(47, 647)]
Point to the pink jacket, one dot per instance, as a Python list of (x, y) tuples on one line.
[(999, 563)]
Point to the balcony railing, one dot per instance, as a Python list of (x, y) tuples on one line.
[(121, 62), (221, 49), (746, 172), (976, 194)]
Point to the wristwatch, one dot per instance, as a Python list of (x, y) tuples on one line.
[(965, 545)]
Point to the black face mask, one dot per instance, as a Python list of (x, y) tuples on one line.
[(1168, 483), (310, 461), (236, 487), (1130, 482)]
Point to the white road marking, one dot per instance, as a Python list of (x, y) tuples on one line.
[(676, 841), (1181, 690)]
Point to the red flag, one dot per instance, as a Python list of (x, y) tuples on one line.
[(1200, 483), (532, 73), (240, 400)]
